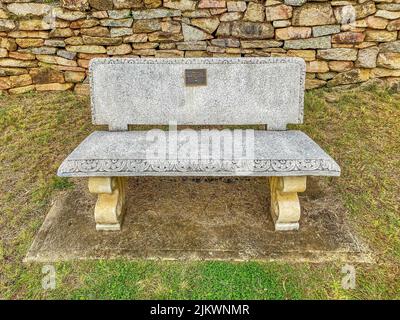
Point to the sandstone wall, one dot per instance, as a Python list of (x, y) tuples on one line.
[(48, 46)]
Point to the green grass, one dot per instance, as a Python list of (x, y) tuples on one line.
[(359, 129)]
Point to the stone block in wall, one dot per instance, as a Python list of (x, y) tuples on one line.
[(29, 9), (313, 14), (367, 57), (101, 4), (81, 5), (389, 60), (293, 33), (280, 12), (101, 41), (311, 43), (350, 77), (349, 13), (380, 35), (319, 31), (155, 13), (148, 25), (207, 24), (184, 5), (7, 25), (346, 54), (205, 4), (252, 30), (394, 25), (191, 33), (54, 86)]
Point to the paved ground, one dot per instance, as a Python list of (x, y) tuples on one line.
[(198, 218)]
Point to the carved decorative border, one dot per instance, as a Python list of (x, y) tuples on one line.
[(243, 60), (88, 167)]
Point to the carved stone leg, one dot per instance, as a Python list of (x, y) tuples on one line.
[(285, 205), (109, 209)]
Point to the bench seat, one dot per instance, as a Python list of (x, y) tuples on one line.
[(276, 153)]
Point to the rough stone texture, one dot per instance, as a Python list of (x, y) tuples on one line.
[(275, 147), (264, 72), (33, 32), (313, 14)]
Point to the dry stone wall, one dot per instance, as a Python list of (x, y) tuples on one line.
[(47, 45)]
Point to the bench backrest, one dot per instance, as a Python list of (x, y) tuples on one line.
[(199, 91)]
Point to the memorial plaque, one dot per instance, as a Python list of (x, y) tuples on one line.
[(195, 77)]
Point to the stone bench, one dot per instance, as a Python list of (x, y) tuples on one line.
[(209, 91)]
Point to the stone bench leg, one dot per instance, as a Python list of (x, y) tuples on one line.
[(285, 205), (109, 209)]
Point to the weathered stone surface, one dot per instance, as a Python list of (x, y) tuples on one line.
[(193, 34), (119, 50), (349, 13), (394, 25), (24, 9), (68, 15), (314, 83), (383, 72), (44, 50), (307, 55), (54, 86), (313, 14), (280, 12), (255, 12), (61, 33), (203, 4), (101, 4), (389, 60), (86, 49), (236, 6), (96, 32), (251, 44), (252, 30), (66, 54), (184, 5), (80, 5), (102, 41), (5, 83), (34, 24), (293, 33), (348, 37), (344, 54), (207, 24), (376, 23), (192, 45), (349, 77), (7, 25), (84, 23), (82, 89), (155, 13), (27, 43), (120, 32), (56, 60), (8, 44), (21, 90), (29, 34), (367, 57), (127, 4), (160, 36), (171, 26), (232, 93), (340, 66), (380, 35), (116, 23), (317, 66), (10, 71), (390, 46), (149, 25), (390, 15), (231, 16), (74, 41), (134, 38), (54, 43), (7, 62), (3, 53), (320, 31), (227, 42), (119, 14), (20, 81), (311, 43), (169, 54)]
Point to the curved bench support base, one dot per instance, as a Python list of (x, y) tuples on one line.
[(285, 205), (110, 205)]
